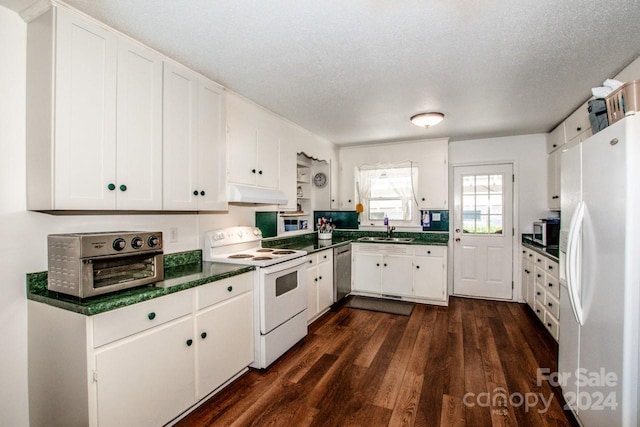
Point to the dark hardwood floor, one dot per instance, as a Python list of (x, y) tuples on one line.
[(473, 363)]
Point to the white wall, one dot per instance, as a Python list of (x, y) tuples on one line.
[(530, 154)]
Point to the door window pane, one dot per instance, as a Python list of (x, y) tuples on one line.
[(482, 203)]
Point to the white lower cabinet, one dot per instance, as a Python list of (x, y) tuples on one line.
[(148, 380), (429, 275), (402, 271), (224, 337), (396, 275), (541, 288), (139, 365), (320, 283)]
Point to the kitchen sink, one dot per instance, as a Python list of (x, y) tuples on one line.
[(386, 239)]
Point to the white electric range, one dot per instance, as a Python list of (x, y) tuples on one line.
[(280, 288)]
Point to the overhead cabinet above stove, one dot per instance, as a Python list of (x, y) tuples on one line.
[(95, 123), (254, 144)]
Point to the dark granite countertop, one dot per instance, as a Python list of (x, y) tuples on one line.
[(309, 242), (182, 271), (551, 252)]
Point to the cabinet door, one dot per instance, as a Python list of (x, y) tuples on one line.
[(397, 275), (268, 158), (433, 179), (139, 134), (556, 138), (85, 114), (526, 279), (553, 180), (224, 334), (212, 145), (147, 380), (242, 140), (325, 284), (429, 277), (367, 271), (179, 174), (312, 292), (333, 182)]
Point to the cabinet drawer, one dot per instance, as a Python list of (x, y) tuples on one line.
[(552, 325), (553, 269), (552, 305), (540, 261), (539, 309), (435, 251), (553, 286), (117, 324), (221, 290), (577, 122), (540, 294), (319, 257), (539, 276)]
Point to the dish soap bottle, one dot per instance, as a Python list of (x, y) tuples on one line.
[(386, 220)]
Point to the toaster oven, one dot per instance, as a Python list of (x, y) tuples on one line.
[(90, 264)]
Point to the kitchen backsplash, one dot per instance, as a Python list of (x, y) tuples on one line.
[(344, 220)]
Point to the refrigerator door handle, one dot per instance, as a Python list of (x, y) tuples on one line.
[(573, 263)]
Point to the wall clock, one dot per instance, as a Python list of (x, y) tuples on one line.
[(320, 180)]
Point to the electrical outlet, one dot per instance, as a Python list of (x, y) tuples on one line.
[(173, 234)]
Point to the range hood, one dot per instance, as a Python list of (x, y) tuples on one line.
[(247, 194)]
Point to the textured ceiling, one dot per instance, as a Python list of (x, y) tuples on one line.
[(355, 71)]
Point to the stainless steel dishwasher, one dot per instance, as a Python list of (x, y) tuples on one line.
[(341, 272)]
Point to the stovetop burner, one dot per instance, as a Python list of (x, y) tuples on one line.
[(240, 256), (243, 245)]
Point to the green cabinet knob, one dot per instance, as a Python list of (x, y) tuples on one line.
[(203, 335), (151, 315), (230, 288), (123, 187), (111, 187), (189, 342)]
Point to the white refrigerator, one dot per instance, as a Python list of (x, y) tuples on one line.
[(600, 276)]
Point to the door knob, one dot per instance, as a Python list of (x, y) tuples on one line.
[(457, 230), (457, 239)]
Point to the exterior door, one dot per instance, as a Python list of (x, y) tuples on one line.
[(483, 231)]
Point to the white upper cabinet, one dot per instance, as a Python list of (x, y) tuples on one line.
[(556, 138), (71, 154), (433, 187), (194, 142), (95, 123), (254, 144), (139, 128), (212, 147), (100, 147)]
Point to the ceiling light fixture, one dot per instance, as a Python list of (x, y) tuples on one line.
[(426, 120)]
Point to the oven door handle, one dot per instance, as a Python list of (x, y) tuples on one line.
[(284, 265)]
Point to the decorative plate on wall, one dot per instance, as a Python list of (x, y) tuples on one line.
[(320, 180)]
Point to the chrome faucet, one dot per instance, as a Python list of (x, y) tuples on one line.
[(390, 231)]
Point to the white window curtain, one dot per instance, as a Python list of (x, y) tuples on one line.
[(392, 173)]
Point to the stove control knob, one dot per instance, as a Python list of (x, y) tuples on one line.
[(119, 244), (239, 233), (219, 236), (153, 241), (137, 243), (256, 231)]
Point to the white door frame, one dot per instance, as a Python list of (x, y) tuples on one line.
[(515, 242)]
